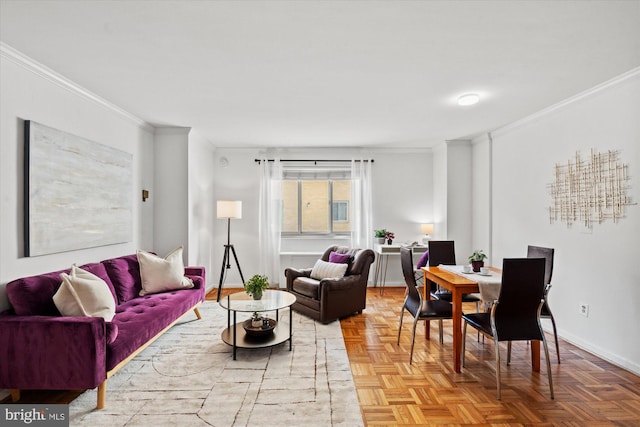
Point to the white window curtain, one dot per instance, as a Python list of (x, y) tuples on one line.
[(361, 204), (270, 221)]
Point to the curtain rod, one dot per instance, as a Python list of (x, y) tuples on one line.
[(314, 161)]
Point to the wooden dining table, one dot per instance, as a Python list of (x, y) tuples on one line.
[(459, 285)]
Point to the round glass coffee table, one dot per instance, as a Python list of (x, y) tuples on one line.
[(272, 300)]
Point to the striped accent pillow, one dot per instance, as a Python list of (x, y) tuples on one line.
[(328, 270)]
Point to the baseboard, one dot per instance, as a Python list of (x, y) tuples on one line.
[(600, 352)]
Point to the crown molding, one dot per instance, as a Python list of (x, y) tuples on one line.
[(172, 130), (46, 73), (562, 104), (483, 138), (458, 142)]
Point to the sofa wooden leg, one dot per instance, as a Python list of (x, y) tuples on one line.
[(15, 394), (197, 312), (102, 394)]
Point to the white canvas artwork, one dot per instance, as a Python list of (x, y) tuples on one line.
[(78, 193)]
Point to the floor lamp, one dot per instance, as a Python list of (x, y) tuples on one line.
[(228, 209)]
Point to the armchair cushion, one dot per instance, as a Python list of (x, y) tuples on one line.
[(328, 270), (307, 287)]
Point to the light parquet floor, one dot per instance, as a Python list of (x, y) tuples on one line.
[(588, 390)]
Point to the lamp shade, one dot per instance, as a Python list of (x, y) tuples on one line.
[(229, 209), (426, 228)]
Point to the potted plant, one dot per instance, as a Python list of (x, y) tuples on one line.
[(390, 236), (477, 260), (256, 320), (381, 235), (256, 286)]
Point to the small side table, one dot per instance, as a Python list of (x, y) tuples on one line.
[(272, 300), (384, 251)]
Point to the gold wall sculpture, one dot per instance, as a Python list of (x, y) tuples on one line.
[(590, 191)]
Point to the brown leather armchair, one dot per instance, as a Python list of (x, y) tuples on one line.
[(329, 299)]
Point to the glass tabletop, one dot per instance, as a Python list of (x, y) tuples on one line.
[(271, 300)]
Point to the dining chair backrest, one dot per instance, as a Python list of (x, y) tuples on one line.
[(442, 252), (413, 300), (547, 254), (516, 312)]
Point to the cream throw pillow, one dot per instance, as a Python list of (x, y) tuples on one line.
[(84, 294), (328, 270), (162, 274)]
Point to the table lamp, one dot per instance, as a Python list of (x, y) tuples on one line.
[(427, 230)]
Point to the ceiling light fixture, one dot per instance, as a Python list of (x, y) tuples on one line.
[(468, 99)]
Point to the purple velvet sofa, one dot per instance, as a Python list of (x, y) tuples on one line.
[(40, 349)]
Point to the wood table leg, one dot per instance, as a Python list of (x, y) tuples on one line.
[(456, 298), (535, 356)]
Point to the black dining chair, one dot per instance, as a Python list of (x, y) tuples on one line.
[(443, 252), (515, 316), (415, 305), (545, 313)]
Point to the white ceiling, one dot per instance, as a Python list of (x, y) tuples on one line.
[(329, 73)]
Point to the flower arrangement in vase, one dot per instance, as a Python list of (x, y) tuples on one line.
[(390, 236)]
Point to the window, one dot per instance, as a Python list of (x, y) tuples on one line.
[(340, 211), (315, 206)]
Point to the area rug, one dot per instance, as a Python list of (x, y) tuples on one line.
[(188, 378)]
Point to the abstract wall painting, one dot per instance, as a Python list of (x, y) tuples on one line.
[(78, 193), (590, 191)]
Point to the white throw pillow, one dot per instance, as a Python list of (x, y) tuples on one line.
[(84, 294), (162, 274), (328, 270)]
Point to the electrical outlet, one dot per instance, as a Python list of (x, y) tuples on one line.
[(583, 309)]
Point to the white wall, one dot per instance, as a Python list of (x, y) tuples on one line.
[(171, 198), (452, 173), (439, 174), (32, 92), (403, 198), (184, 197), (458, 190), (201, 206), (595, 266), (481, 218)]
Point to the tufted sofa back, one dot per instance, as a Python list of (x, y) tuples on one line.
[(33, 296)]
